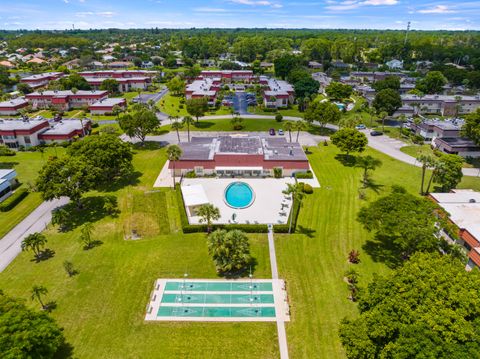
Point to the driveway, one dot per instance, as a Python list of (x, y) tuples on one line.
[(155, 97), (240, 104)]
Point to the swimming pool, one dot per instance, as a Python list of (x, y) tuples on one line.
[(340, 106), (239, 195)]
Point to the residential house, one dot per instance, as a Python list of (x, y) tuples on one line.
[(66, 130), (16, 133), (12, 106), (277, 93), (463, 208), (65, 100), (394, 64), (106, 106), (315, 65), (458, 146), (40, 80), (8, 181)]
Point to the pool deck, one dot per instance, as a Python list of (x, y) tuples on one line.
[(280, 302)]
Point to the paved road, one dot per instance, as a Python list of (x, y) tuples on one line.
[(144, 98), (37, 221), (240, 104)]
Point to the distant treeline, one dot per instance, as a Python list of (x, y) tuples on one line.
[(461, 47)]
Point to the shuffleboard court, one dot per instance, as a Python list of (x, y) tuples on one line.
[(218, 300)]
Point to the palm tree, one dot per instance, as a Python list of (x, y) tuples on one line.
[(177, 125), (34, 242), (208, 213), (367, 163), (383, 115), (86, 235), (289, 126), (174, 153), (37, 292), (427, 161), (458, 105), (116, 111), (437, 166), (297, 195), (300, 126), (188, 120)]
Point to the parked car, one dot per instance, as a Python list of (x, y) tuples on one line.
[(360, 126), (271, 132), (376, 133), (280, 132)]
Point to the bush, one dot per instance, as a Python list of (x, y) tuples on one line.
[(277, 172), (307, 189), (283, 228), (5, 151), (304, 175), (13, 200), (191, 174), (278, 117), (417, 139), (95, 125)]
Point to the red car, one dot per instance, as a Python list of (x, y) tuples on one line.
[(271, 132)]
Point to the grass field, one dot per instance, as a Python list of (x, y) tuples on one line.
[(27, 165), (249, 124), (416, 150), (170, 105), (285, 112), (102, 308)]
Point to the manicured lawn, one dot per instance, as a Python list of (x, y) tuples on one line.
[(416, 150), (314, 260), (285, 112), (27, 165), (102, 308), (249, 124), (170, 105)]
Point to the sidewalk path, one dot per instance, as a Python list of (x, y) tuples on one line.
[(37, 221), (282, 335)]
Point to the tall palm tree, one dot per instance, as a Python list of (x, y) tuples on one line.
[(188, 120), (427, 162), (208, 213), (34, 242), (300, 126), (383, 115), (296, 192), (37, 292), (177, 125), (367, 163), (174, 153), (289, 126)]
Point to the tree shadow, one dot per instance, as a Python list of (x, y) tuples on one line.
[(44, 255), (381, 249), (149, 145), (306, 231), (371, 184), (65, 351), (93, 210), (92, 245), (242, 273), (346, 160), (203, 124), (51, 305), (320, 131), (131, 179)]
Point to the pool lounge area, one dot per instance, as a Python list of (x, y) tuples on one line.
[(218, 300)]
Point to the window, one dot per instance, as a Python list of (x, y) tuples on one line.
[(27, 140)]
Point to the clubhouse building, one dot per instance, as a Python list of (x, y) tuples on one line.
[(240, 155)]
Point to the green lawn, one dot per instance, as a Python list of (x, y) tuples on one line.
[(416, 150), (103, 307), (294, 112), (249, 124), (170, 105), (313, 263), (27, 165)]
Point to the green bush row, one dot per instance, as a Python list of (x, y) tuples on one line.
[(304, 175), (196, 228), (283, 228), (13, 200)]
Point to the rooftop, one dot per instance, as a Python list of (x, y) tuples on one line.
[(458, 142), (448, 98), (109, 102), (68, 93), (65, 127), (463, 207), (13, 102), (12, 125)]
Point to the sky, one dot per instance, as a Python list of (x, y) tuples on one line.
[(325, 14)]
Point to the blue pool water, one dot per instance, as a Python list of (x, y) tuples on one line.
[(340, 106), (239, 195)]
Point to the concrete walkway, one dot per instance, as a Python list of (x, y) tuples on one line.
[(282, 335), (37, 221)]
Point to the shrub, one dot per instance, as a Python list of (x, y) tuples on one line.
[(354, 256), (13, 200), (277, 172), (325, 143), (278, 117), (190, 174), (5, 151), (307, 189), (417, 139), (304, 175)]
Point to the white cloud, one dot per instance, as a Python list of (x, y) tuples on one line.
[(438, 9), (354, 4), (90, 13), (258, 3), (209, 9)]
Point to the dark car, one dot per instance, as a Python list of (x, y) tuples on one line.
[(271, 132), (376, 133)]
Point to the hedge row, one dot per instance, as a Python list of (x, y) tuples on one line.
[(195, 228), (283, 228), (13, 200)]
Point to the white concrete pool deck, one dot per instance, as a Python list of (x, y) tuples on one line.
[(266, 208), (282, 310)]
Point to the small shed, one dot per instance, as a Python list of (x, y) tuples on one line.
[(194, 196)]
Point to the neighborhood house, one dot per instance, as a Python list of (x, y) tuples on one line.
[(7, 183), (65, 100), (11, 107), (39, 80)]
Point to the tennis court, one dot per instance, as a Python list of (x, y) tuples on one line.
[(218, 300)]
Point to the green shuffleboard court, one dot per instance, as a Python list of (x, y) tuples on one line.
[(218, 300), (219, 286), (240, 312)]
